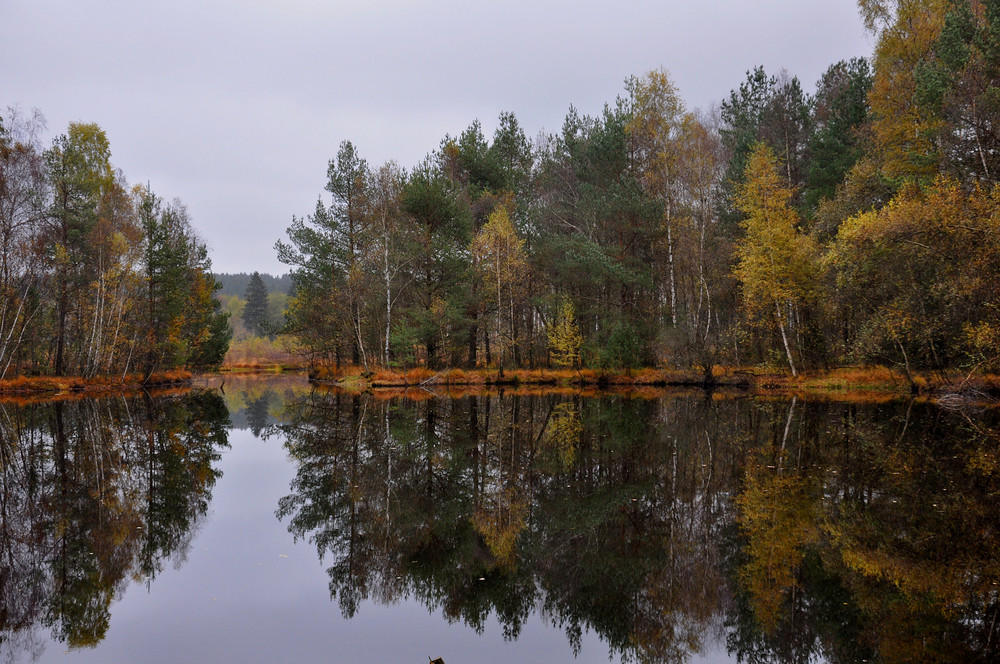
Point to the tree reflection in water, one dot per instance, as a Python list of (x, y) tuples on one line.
[(605, 514), (787, 531), (93, 494), (872, 534)]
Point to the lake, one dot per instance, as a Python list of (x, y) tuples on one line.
[(273, 522)]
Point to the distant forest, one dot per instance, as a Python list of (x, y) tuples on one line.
[(858, 222), (236, 284)]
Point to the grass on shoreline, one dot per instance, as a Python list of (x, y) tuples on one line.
[(847, 382), (35, 385), (262, 354)]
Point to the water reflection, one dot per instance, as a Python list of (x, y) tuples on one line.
[(871, 535), (603, 513), (96, 493), (256, 401), (672, 526), (778, 530)]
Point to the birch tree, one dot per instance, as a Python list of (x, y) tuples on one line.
[(776, 263), (23, 188), (80, 170), (503, 266), (388, 256), (656, 118)]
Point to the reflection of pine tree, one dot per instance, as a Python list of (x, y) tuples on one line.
[(651, 522), (257, 413), (489, 506)]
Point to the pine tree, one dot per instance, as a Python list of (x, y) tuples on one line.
[(255, 312)]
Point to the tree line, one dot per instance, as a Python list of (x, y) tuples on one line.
[(855, 223), (97, 277), (236, 283)]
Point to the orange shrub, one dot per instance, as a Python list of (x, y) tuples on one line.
[(387, 377), (456, 377), (418, 375), (648, 376)]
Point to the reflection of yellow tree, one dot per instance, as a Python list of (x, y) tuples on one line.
[(779, 517), (502, 508), (919, 558), (563, 433), (500, 522)]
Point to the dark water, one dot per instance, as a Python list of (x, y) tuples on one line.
[(273, 523)]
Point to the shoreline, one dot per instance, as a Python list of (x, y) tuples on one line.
[(846, 383), (55, 386)]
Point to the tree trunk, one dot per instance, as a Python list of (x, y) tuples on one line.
[(473, 346), (670, 261), (784, 339)]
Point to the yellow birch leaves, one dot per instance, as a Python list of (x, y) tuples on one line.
[(503, 267), (777, 263)]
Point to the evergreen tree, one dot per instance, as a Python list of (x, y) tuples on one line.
[(255, 311), (186, 326), (742, 115), (840, 108)]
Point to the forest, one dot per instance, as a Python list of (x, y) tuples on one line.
[(97, 277), (853, 224)]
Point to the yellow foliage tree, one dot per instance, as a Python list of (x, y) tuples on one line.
[(776, 262), (565, 338), (657, 115), (503, 266), (901, 130), (919, 277)]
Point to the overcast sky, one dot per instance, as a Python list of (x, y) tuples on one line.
[(236, 106)]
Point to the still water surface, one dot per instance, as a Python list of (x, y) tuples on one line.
[(275, 523)]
